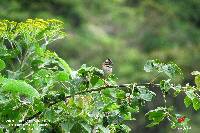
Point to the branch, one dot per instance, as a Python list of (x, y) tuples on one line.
[(27, 119), (154, 78), (92, 90)]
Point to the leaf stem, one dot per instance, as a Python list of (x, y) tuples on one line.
[(154, 78)]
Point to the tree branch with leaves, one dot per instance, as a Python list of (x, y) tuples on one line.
[(41, 92)]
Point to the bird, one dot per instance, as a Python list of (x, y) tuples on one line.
[(107, 67)]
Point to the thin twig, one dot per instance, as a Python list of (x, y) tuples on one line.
[(154, 78), (27, 119), (197, 95), (13, 49), (31, 73)]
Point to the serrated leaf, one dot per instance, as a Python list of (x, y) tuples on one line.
[(151, 65), (190, 94), (171, 70), (196, 103), (21, 87), (165, 85), (156, 116), (187, 101), (145, 94)]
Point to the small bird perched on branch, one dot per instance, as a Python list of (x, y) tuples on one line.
[(107, 69)]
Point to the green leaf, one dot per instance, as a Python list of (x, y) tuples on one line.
[(38, 105), (87, 127), (177, 89), (165, 85), (197, 81), (190, 94), (50, 115), (21, 87), (61, 76), (151, 65), (103, 129), (145, 94), (127, 116), (96, 81), (64, 65), (196, 103), (36, 128), (109, 92), (2, 64), (171, 70), (39, 50), (67, 125), (111, 107), (2, 79), (78, 128), (79, 102), (156, 116), (120, 94), (125, 128), (187, 101)]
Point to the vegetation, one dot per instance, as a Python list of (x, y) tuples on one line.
[(41, 92), (130, 32)]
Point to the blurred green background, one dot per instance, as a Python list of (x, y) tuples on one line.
[(127, 31)]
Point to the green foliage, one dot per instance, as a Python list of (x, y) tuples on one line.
[(197, 78), (196, 103), (2, 64), (192, 97), (165, 85), (41, 86), (20, 87), (61, 76), (97, 30), (170, 69), (145, 94), (156, 116), (187, 101)]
